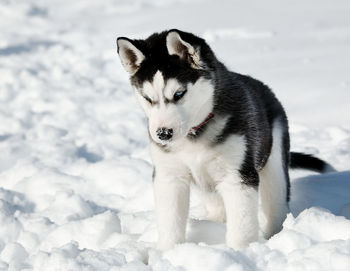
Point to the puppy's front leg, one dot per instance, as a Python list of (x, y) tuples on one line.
[(241, 205), (171, 190)]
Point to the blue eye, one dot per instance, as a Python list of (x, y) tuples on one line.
[(148, 99), (178, 95)]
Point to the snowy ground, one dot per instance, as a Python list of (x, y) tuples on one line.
[(75, 176)]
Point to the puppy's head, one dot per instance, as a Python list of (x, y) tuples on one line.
[(170, 73)]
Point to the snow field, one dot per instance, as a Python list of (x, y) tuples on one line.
[(75, 173)]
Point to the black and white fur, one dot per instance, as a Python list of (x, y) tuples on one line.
[(241, 154)]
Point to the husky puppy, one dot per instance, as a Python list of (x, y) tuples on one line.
[(224, 132)]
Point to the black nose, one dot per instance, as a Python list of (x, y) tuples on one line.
[(164, 133)]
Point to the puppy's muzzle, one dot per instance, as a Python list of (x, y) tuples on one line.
[(164, 133)]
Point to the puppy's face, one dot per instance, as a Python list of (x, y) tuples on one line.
[(171, 83)]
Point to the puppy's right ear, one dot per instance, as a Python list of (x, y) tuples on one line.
[(130, 56)]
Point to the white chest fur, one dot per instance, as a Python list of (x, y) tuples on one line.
[(206, 163)]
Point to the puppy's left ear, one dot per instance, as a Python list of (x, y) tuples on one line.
[(130, 56), (177, 46)]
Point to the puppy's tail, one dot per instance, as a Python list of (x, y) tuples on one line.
[(307, 161)]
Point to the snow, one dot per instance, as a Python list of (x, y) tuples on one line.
[(75, 173)]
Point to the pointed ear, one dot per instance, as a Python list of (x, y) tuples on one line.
[(130, 56), (177, 46)]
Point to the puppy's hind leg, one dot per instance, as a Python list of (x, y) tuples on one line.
[(214, 206), (274, 183)]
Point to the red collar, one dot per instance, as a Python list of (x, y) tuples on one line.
[(194, 130)]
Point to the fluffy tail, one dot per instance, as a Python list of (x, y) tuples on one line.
[(307, 161)]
